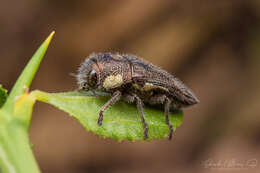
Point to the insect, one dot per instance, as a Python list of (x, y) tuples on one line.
[(135, 80)]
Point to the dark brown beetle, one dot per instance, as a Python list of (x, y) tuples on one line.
[(135, 80)]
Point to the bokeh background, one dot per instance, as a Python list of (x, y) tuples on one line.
[(213, 46)]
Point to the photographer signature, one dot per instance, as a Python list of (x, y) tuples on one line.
[(230, 164)]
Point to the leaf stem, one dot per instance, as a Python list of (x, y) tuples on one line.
[(15, 152)]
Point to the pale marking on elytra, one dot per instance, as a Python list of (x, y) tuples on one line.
[(113, 81), (149, 86)]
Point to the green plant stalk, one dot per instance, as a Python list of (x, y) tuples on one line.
[(15, 115), (15, 152)]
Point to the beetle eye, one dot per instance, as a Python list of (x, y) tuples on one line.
[(92, 78)]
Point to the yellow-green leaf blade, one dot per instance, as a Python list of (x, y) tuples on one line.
[(26, 77), (121, 121)]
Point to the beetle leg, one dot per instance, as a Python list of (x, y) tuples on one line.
[(140, 110), (131, 98), (163, 99), (166, 111), (115, 97)]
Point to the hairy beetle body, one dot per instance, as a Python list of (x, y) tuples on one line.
[(135, 80)]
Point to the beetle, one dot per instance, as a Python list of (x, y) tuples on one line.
[(135, 80)]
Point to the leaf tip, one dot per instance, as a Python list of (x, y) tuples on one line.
[(49, 38)]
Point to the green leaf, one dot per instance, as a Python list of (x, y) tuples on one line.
[(121, 121), (26, 77), (3, 95)]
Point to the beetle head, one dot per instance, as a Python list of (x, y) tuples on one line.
[(88, 76)]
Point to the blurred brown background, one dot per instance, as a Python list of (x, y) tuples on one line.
[(213, 46)]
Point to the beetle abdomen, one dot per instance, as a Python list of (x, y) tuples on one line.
[(151, 77)]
